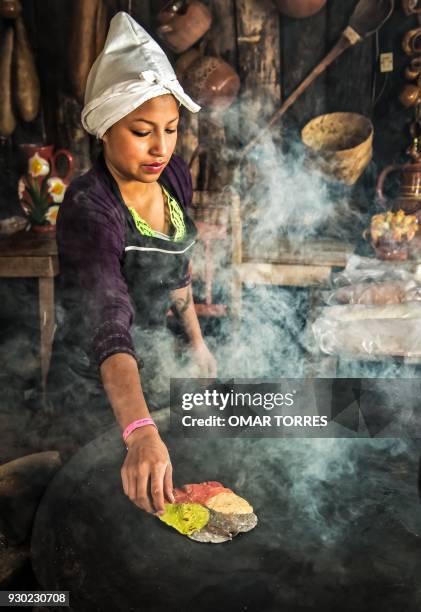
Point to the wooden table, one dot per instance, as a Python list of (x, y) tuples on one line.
[(24, 255), (286, 262), (307, 264)]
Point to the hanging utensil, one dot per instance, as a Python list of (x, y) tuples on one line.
[(299, 9), (7, 117), (27, 85), (82, 45), (367, 18)]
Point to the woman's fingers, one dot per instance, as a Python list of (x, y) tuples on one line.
[(125, 481), (168, 484), (142, 495), (131, 484), (157, 486)]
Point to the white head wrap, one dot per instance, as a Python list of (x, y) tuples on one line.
[(131, 69)]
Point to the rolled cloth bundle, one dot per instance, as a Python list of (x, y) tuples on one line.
[(209, 512), (131, 69)]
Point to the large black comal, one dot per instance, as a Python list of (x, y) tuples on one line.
[(346, 537)]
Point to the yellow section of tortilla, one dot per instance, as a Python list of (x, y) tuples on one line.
[(185, 518), (229, 503)]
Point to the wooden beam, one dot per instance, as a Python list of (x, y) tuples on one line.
[(320, 252), (258, 43), (282, 274), (224, 30), (224, 33), (259, 59), (47, 326), (189, 141)]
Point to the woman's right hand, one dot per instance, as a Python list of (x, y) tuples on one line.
[(147, 470)]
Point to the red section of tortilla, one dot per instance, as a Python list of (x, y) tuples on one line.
[(199, 493)]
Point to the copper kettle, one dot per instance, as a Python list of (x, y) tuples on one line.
[(409, 196), (299, 8)]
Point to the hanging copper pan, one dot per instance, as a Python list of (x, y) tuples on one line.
[(299, 8)]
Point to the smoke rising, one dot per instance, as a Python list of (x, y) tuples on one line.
[(323, 487)]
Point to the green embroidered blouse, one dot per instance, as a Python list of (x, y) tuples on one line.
[(176, 215)]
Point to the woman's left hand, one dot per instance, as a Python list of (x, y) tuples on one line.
[(204, 361)]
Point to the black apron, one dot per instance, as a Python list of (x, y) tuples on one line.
[(152, 268)]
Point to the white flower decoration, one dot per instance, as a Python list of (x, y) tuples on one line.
[(56, 188), (38, 166), (51, 214)]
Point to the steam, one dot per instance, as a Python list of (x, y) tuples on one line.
[(288, 199), (329, 483)]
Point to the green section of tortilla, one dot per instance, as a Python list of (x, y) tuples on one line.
[(186, 518)]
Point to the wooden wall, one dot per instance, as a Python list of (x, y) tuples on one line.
[(272, 55)]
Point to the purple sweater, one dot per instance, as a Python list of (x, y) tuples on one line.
[(91, 235)]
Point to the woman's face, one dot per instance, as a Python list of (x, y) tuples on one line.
[(139, 146)]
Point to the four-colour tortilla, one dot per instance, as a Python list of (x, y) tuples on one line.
[(209, 512)]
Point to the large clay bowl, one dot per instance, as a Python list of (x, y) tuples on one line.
[(339, 527), (340, 144)]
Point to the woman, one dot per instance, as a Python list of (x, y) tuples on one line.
[(124, 243)]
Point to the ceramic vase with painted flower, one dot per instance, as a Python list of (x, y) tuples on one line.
[(42, 188)]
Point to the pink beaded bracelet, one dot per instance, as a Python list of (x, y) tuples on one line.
[(135, 425)]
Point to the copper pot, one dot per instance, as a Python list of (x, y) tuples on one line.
[(413, 71), (411, 42), (183, 23), (209, 80), (299, 8), (410, 95)]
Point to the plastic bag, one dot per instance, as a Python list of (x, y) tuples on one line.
[(391, 330), (374, 308)]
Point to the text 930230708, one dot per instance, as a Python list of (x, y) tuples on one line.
[(31, 598)]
